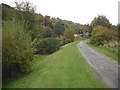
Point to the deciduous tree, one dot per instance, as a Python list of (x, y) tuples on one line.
[(69, 34)]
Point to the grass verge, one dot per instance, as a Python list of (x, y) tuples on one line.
[(65, 68)]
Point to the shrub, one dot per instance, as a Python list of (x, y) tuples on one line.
[(47, 32), (47, 46), (16, 52), (102, 35), (69, 34), (64, 41)]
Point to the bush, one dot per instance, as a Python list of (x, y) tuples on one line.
[(102, 35), (47, 32), (47, 46), (69, 34), (16, 52), (66, 41)]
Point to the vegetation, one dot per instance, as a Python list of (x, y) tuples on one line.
[(61, 69), (26, 33), (59, 28), (101, 21), (69, 34), (109, 51), (20, 25), (102, 35), (38, 25), (47, 46), (16, 53)]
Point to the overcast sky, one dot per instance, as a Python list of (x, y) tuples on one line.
[(80, 11)]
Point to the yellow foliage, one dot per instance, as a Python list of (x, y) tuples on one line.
[(69, 34), (99, 30)]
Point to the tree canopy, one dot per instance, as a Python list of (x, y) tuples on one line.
[(101, 21)]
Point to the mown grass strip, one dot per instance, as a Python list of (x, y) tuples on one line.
[(65, 68)]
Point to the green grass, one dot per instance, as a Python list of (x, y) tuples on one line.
[(111, 52), (65, 68)]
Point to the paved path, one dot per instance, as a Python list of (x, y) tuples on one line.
[(104, 66)]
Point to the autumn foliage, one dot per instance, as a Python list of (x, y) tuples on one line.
[(102, 35)]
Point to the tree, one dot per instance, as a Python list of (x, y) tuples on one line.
[(47, 46), (118, 31), (100, 21), (8, 13), (47, 22), (16, 52), (25, 6), (47, 32), (59, 28), (69, 34), (26, 11), (102, 35)]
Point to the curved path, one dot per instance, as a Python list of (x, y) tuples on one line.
[(104, 66)]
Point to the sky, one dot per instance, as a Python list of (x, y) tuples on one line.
[(78, 11), (119, 12)]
